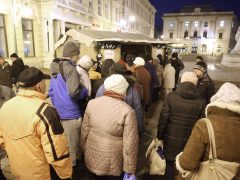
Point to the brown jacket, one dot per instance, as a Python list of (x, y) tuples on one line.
[(144, 78), (31, 132), (225, 119), (109, 137)]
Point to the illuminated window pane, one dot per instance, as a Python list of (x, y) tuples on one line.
[(28, 40), (196, 23), (3, 41), (221, 23)]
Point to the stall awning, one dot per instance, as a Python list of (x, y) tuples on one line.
[(90, 36)]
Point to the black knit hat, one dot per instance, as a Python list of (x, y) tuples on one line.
[(14, 55), (31, 76), (117, 68), (202, 66), (130, 58)]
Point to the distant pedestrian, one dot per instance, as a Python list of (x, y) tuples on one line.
[(17, 67), (110, 140), (67, 96), (178, 66), (32, 133), (205, 84), (168, 78), (5, 73), (181, 109)]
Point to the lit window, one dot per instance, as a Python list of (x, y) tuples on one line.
[(205, 24), (221, 23), (171, 24), (99, 7), (28, 40), (186, 24), (196, 23), (3, 41)]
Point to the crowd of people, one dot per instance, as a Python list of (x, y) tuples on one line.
[(98, 117)]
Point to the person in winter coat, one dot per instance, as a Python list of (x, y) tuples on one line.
[(104, 73), (178, 66), (168, 78), (143, 78), (83, 66), (31, 132), (67, 95), (181, 110), (17, 67), (93, 74), (205, 85), (5, 94), (5, 73), (154, 85), (110, 140), (224, 114), (132, 97)]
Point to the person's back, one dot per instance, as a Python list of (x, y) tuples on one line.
[(17, 67), (168, 77), (5, 73), (224, 114)]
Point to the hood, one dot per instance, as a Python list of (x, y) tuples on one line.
[(105, 67), (54, 67), (229, 106), (18, 60), (149, 66), (187, 90)]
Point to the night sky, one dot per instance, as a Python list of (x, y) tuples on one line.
[(165, 6)]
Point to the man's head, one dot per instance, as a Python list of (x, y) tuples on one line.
[(13, 56), (199, 59), (175, 55), (200, 69), (71, 51), (32, 78), (189, 77), (2, 60)]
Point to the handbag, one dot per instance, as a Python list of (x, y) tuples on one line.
[(129, 177), (213, 168), (154, 154)]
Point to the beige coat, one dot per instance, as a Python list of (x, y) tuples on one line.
[(225, 119), (109, 137), (31, 132), (169, 77)]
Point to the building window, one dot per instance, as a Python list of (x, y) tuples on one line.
[(171, 35), (28, 40), (220, 35), (90, 4), (99, 7), (219, 48), (205, 34), (185, 34), (221, 23), (205, 24), (186, 24), (171, 24), (196, 23), (3, 39), (204, 48), (195, 34), (107, 10), (194, 48)]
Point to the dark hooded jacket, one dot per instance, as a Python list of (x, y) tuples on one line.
[(17, 68), (5, 75), (181, 110)]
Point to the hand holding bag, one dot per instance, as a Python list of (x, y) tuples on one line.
[(156, 158), (214, 169)]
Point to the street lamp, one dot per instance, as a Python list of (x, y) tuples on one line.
[(162, 36)]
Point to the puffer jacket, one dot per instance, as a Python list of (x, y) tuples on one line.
[(132, 99), (33, 137), (66, 96), (109, 140), (180, 112), (5, 75), (225, 119)]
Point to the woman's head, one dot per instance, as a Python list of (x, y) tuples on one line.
[(228, 93), (116, 83)]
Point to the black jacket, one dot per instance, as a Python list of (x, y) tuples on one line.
[(206, 88), (17, 68), (182, 108), (5, 75)]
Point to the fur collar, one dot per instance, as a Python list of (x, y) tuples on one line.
[(228, 106)]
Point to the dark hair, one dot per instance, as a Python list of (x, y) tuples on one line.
[(14, 55), (199, 57), (174, 55), (148, 58)]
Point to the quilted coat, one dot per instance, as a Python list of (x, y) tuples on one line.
[(109, 137)]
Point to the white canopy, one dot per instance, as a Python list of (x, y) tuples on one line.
[(88, 37)]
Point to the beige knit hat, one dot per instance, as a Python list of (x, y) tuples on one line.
[(86, 62), (116, 83), (189, 77)]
